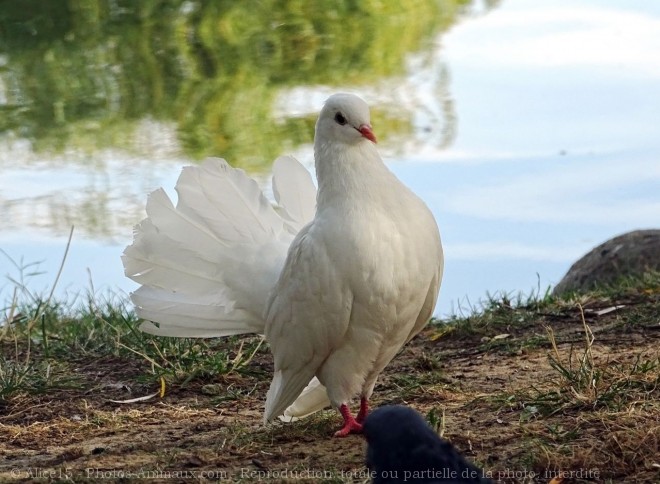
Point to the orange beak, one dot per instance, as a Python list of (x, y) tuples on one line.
[(365, 130)]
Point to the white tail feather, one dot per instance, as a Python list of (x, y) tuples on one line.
[(294, 190), (208, 265), (237, 211), (173, 312)]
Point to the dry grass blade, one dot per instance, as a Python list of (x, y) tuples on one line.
[(150, 360), (579, 380), (239, 361)]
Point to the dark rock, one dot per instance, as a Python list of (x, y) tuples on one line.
[(630, 254)]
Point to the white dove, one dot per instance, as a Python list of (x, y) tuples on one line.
[(337, 289)]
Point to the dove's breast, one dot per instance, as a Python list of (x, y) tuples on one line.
[(384, 242), (393, 263), (390, 250)]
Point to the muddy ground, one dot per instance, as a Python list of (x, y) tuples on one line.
[(485, 391)]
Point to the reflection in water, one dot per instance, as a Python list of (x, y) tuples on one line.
[(102, 101), (96, 95), (101, 194), (213, 68)]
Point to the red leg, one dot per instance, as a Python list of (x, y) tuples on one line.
[(364, 410), (351, 426)]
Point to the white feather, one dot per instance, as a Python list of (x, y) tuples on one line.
[(294, 191), (312, 399)]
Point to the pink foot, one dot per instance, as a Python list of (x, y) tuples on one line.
[(351, 426), (364, 410)]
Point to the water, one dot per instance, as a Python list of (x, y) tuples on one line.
[(530, 128)]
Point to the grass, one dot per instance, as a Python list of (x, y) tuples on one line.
[(582, 382), (494, 319), (591, 401), (41, 339), (40, 344), (593, 412)]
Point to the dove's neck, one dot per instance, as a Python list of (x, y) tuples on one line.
[(346, 173)]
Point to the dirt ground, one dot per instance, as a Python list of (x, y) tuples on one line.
[(477, 388)]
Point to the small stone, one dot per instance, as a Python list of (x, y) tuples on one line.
[(212, 389)]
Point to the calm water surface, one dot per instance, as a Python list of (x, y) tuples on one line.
[(530, 128)]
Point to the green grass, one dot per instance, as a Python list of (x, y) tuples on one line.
[(41, 339), (581, 383), (624, 287), (436, 419), (499, 312), (497, 322), (32, 377)]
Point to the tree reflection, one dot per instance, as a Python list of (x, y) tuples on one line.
[(77, 71), (80, 76)]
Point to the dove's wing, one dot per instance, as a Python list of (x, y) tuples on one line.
[(307, 318)]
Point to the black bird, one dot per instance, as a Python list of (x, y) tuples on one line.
[(402, 447)]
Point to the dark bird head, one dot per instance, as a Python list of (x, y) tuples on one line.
[(402, 447)]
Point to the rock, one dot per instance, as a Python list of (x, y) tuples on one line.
[(212, 389), (630, 254)]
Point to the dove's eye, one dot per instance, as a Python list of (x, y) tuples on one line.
[(339, 117)]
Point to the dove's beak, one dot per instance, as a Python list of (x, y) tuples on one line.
[(366, 131)]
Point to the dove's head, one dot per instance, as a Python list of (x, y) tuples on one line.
[(345, 119)]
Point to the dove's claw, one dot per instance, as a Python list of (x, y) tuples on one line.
[(351, 426)]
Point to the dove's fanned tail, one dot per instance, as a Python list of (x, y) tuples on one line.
[(294, 191), (208, 265)]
